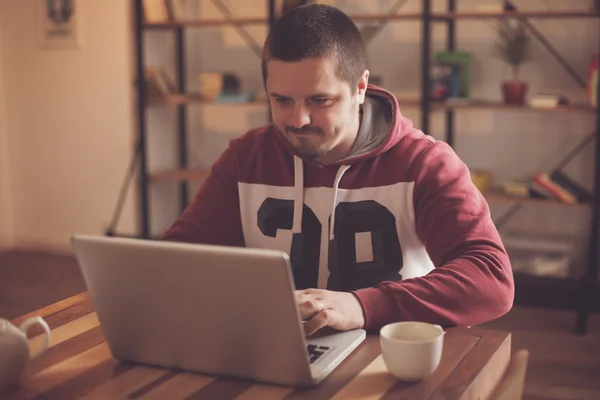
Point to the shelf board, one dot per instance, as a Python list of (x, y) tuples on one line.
[(385, 17), (192, 98), (497, 196), (511, 14), (180, 175), (205, 22), (497, 105)]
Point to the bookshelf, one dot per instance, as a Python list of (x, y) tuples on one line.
[(576, 294), (579, 295)]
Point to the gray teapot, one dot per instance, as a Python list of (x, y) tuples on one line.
[(14, 350)]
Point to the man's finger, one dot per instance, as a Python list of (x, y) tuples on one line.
[(319, 321), (310, 307)]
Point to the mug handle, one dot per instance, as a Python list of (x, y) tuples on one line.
[(28, 323)]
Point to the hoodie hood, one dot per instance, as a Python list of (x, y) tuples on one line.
[(381, 127)]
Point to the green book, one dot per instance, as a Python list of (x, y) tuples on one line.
[(463, 60)]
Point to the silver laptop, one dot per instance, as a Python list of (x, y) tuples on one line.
[(210, 309)]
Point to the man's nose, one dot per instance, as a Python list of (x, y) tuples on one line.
[(300, 117)]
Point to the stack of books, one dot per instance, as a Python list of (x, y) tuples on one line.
[(554, 185)]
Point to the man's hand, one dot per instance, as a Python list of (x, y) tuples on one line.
[(321, 308)]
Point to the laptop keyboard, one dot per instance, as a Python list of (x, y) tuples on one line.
[(315, 352)]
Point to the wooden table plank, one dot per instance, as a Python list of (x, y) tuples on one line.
[(66, 331), (371, 383), (87, 380), (64, 350), (265, 392), (222, 389), (126, 383), (67, 369), (480, 369), (180, 386), (79, 365), (53, 308)]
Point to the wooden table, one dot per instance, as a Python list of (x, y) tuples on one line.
[(78, 365)]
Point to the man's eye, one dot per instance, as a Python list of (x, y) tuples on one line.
[(321, 101), (282, 100)]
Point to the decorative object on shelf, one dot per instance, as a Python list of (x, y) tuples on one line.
[(231, 84), (156, 11), (491, 6), (514, 47), (223, 88), (494, 6), (509, 6), (211, 84), (482, 179), (58, 23)]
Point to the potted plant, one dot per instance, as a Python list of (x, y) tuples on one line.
[(514, 47)]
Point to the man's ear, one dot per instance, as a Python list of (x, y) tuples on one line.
[(362, 86)]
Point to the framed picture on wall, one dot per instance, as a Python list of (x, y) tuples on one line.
[(58, 23)]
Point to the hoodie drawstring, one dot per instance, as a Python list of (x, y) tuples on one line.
[(336, 184), (299, 196)]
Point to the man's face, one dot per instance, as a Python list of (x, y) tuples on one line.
[(313, 108)]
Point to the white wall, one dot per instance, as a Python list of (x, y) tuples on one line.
[(69, 122), (6, 216)]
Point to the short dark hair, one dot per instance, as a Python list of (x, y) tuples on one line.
[(315, 31)]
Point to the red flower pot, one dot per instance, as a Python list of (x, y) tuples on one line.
[(514, 92)]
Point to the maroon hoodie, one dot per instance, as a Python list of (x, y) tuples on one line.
[(398, 223)]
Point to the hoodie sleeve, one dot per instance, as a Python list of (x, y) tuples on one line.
[(472, 282), (213, 217)]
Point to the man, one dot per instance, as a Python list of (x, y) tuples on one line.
[(382, 222)]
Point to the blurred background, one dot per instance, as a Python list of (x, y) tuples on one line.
[(511, 85)]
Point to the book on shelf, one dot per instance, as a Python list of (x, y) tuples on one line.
[(445, 81), (548, 100), (461, 60), (554, 185)]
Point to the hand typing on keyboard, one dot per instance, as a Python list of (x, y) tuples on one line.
[(320, 308)]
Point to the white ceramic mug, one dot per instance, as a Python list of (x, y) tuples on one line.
[(14, 349), (411, 350)]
